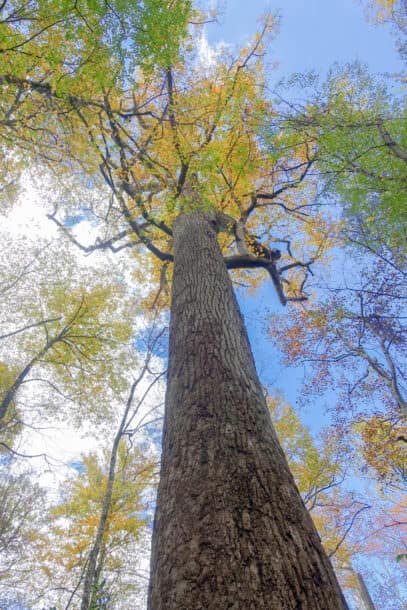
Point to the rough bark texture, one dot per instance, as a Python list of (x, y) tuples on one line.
[(231, 531)]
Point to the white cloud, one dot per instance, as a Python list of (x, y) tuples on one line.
[(208, 55), (27, 217)]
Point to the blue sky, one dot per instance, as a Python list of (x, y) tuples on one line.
[(313, 34)]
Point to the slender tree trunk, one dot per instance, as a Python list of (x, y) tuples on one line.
[(364, 593), (19, 380), (93, 568), (96, 555), (231, 531)]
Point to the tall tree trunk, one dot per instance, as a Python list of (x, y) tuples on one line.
[(231, 531)]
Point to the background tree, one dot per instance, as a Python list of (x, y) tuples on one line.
[(355, 333), (90, 548), (353, 340), (383, 449), (321, 470), (358, 129), (63, 553), (130, 424), (57, 336), (21, 515), (354, 526)]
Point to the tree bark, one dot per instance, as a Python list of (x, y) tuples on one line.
[(230, 531)]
